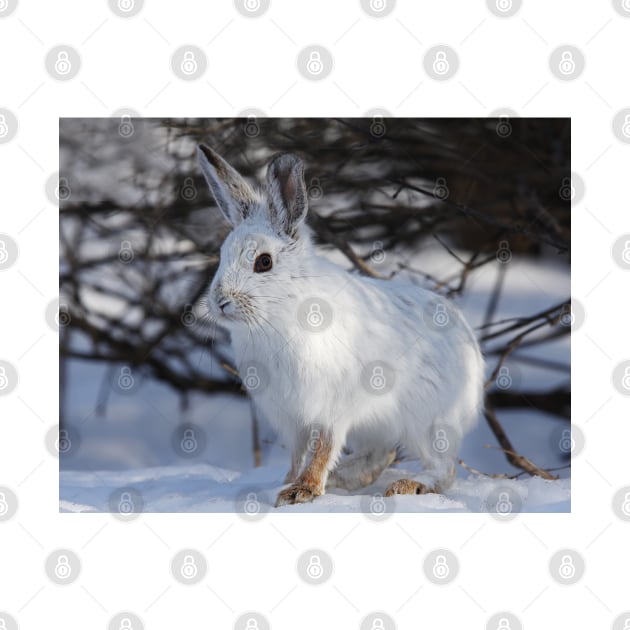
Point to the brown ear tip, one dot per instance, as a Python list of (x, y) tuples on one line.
[(204, 150), (285, 162)]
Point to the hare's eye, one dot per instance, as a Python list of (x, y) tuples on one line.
[(262, 263)]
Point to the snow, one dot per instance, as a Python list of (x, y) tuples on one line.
[(205, 488)]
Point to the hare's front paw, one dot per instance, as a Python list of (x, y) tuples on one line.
[(297, 493)]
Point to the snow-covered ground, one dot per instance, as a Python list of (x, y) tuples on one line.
[(205, 488)]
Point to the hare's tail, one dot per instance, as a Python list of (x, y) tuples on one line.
[(357, 471)]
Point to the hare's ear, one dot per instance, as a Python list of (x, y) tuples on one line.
[(233, 194), (287, 193)]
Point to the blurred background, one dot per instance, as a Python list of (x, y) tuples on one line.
[(478, 210)]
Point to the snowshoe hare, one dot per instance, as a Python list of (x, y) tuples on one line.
[(330, 356)]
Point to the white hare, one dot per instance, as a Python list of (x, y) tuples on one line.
[(330, 356)]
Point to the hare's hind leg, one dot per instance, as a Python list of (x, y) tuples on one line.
[(438, 473), (433, 482), (358, 471)]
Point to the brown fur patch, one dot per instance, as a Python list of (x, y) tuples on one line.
[(408, 486)]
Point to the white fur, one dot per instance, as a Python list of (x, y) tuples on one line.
[(317, 379)]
